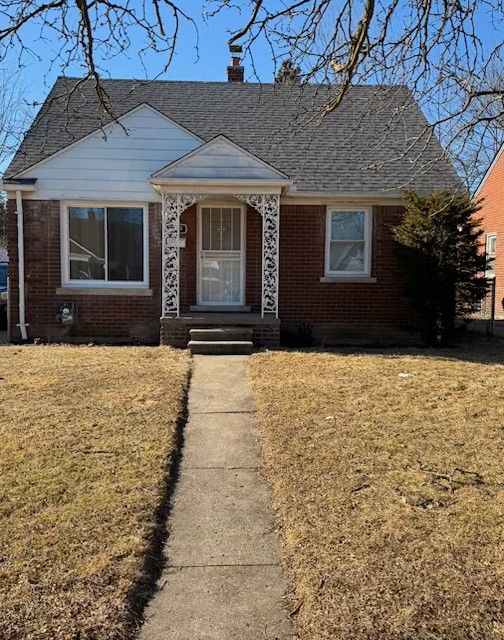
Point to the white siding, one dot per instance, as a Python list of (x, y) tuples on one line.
[(115, 167), (220, 159)]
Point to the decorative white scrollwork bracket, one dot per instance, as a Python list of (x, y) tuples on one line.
[(268, 205), (173, 204)]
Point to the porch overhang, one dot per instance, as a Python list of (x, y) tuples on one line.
[(220, 186)]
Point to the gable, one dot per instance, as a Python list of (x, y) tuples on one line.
[(494, 172), (114, 163), (220, 159)]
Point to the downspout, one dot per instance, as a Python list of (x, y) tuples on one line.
[(21, 270)]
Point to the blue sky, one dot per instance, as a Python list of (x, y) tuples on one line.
[(38, 76), (211, 64)]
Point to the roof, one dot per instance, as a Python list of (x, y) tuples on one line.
[(376, 140)]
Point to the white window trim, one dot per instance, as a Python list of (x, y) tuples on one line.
[(66, 281), (490, 236), (368, 242)]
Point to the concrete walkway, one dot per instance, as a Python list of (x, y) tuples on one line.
[(222, 579)]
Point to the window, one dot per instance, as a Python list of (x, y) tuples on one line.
[(3, 277), (348, 242), (491, 243), (105, 245)]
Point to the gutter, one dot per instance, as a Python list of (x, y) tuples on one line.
[(347, 196), (20, 186), (17, 184), (21, 271)]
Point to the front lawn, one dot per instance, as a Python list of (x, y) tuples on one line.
[(85, 438), (388, 478)]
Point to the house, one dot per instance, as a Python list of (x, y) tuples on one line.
[(214, 204), (491, 194)]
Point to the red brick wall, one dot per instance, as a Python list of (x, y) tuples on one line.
[(188, 261), (99, 316), (492, 212), (253, 277), (303, 298)]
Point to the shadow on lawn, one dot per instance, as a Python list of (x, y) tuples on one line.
[(154, 561), (474, 350)]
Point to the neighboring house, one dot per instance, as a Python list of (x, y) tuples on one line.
[(213, 198), (491, 193)]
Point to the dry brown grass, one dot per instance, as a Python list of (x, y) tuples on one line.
[(86, 435), (389, 490)]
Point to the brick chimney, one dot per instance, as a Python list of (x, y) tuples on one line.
[(235, 70)]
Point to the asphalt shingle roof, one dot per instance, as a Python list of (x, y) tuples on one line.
[(374, 141)]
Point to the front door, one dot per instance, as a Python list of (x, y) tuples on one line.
[(221, 263)]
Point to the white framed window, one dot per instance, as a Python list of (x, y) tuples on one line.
[(490, 251), (348, 241), (104, 245)]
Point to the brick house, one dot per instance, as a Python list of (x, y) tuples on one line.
[(210, 204), (491, 194)]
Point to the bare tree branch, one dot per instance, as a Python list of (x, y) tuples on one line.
[(434, 47), (89, 33), (14, 114)]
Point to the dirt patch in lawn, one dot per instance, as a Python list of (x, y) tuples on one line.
[(388, 477), (86, 436)]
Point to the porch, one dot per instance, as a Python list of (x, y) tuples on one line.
[(215, 272), (175, 331), (220, 266)]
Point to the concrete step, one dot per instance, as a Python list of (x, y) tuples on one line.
[(221, 347), (222, 333)]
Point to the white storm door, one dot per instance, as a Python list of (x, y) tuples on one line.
[(221, 268)]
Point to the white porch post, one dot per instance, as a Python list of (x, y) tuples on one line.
[(268, 205), (172, 206)]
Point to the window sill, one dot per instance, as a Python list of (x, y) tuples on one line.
[(350, 279), (103, 291)]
